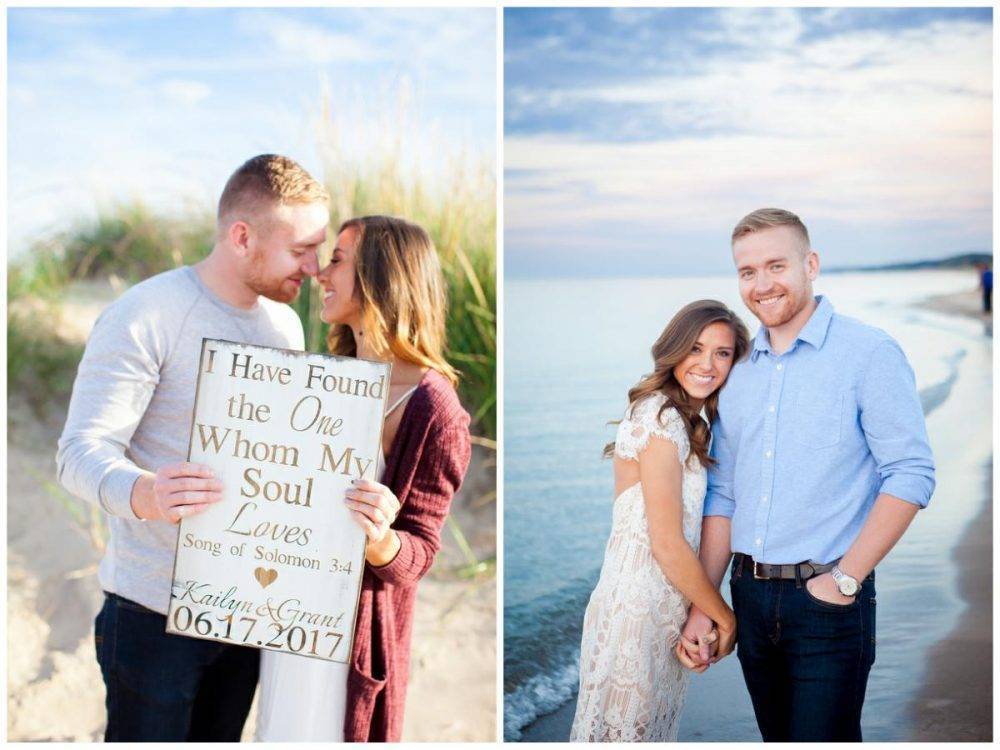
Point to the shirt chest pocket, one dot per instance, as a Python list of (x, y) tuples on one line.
[(817, 419)]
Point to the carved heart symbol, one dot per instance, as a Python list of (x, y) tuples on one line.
[(265, 576)]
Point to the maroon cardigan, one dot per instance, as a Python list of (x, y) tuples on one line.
[(425, 467)]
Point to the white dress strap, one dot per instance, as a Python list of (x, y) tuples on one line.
[(400, 400)]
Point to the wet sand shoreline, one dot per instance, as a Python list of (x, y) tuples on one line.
[(968, 304), (956, 700)]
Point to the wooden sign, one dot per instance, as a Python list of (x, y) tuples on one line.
[(277, 564)]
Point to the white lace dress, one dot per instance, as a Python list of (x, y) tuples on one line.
[(632, 686)]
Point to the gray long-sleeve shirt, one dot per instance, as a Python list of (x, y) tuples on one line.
[(132, 406)]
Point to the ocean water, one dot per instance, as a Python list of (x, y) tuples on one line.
[(572, 350)]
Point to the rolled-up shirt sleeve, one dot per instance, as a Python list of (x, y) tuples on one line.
[(720, 499), (114, 384), (893, 422)]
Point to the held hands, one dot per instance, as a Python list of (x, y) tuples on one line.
[(176, 491), (704, 642), (687, 651), (698, 641), (824, 588), (373, 507)]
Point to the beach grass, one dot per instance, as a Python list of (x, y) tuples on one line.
[(454, 200), (41, 364), (130, 243)]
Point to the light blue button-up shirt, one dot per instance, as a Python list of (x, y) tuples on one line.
[(807, 440)]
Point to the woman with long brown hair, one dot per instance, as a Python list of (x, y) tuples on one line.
[(632, 665), (384, 298)]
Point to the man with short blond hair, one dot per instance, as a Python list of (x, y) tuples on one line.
[(822, 463), (769, 218), (126, 438), (267, 178)]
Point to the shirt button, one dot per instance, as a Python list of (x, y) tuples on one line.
[(767, 454), (771, 408), (764, 498), (779, 366), (757, 542)]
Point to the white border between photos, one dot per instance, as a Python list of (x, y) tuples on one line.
[(499, 364)]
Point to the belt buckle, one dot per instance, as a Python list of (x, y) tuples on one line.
[(756, 575)]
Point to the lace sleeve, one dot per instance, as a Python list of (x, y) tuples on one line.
[(642, 421)]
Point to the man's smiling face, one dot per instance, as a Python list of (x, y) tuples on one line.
[(776, 269)]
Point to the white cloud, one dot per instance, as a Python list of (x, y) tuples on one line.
[(185, 92), (870, 126), (312, 42), (922, 75), (847, 178), (764, 28)]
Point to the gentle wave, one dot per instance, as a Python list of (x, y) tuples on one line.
[(540, 695), (934, 395)]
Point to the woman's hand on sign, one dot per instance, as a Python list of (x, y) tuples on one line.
[(175, 492), (373, 506)]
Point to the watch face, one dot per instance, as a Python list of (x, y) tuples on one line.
[(848, 587)]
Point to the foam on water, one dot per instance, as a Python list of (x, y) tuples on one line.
[(542, 694)]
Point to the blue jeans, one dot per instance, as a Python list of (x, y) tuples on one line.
[(805, 661), (163, 687)]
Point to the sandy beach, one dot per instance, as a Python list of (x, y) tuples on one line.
[(967, 304), (55, 691), (954, 698)]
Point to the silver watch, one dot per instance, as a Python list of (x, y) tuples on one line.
[(848, 586)]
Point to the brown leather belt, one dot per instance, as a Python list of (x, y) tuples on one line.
[(802, 571)]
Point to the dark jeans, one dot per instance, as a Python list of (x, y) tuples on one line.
[(163, 687), (805, 662)]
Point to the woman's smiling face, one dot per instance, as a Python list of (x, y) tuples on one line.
[(341, 303), (706, 368)]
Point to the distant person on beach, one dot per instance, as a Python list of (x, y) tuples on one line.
[(126, 438), (821, 463), (986, 285), (384, 298), (632, 682)]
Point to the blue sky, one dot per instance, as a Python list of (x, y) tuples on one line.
[(106, 105), (634, 139)]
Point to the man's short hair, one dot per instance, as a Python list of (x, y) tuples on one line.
[(268, 179), (766, 218)]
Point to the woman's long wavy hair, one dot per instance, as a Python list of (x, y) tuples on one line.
[(402, 292), (670, 349)]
